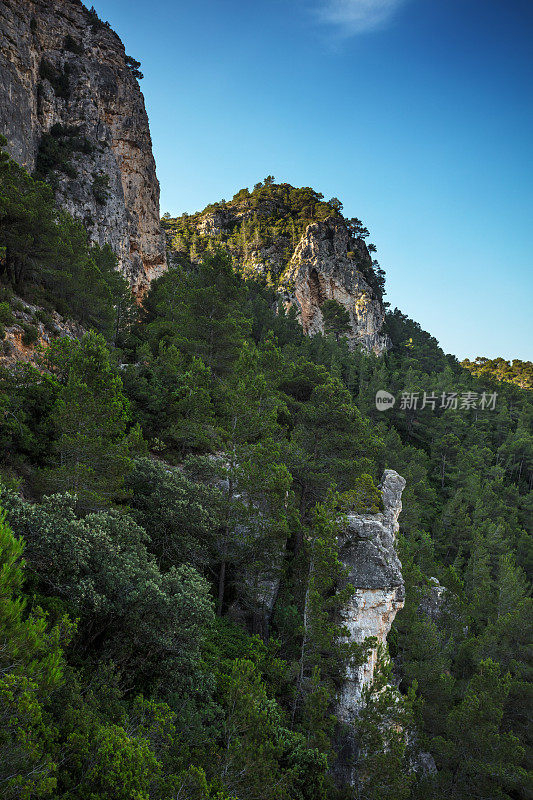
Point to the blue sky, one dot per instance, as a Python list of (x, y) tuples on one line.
[(417, 114)]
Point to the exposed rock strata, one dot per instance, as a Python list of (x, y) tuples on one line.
[(324, 266), (44, 83), (368, 550), (326, 263)]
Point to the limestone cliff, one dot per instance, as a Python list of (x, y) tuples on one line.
[(302, 245), (71, 107), (368, 550), (324, 267)]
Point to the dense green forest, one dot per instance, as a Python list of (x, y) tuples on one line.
[(46, 258), (136, 658), (516, 371)]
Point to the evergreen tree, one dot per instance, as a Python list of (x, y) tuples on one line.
[(336, 318), (382, 768), (251, 429), (178, 514), (150, 624), (324, 651), (28, 234), (31, 669), (201, 311), (330, 444), (91, 415), (479, 759)]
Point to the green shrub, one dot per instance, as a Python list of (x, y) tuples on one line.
[(57, 147), (43, 316), (364, 498), (6, 315), (30, 335), (9, 479), (57, 78), (2, 331), (6, 293), (100, 188), (17, 305)]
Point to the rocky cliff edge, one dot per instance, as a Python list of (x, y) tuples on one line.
[(71, 105)]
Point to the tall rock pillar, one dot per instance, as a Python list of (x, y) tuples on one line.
[(367, 548)]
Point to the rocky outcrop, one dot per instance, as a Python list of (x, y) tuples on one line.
[(67, 92), (328, 263), (367, 547), (270, 236), (326, 266), (31, 330), (432, 600)]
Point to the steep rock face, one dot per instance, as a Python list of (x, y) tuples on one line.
[(324, 267), (62, 71), (368, 550), (301, 245)]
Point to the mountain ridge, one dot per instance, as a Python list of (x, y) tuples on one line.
[(302, 246)]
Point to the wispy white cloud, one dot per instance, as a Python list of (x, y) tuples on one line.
[(357, 16)]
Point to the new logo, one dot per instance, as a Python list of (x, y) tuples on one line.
[(384, 400)]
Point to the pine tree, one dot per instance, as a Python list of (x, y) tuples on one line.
[(336, 318), (330, 445), (255, 483), (202, 311), (324, 651), (31, 669), (91, 415), (382, 731), (479, 758)]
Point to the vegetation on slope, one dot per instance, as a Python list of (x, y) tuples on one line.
[(516, 371), (261, 228), (138, 658), (45, 256)]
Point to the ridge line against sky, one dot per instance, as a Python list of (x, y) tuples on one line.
[(417, 114)]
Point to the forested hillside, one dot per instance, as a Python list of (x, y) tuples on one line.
[(516, 371), (261, 228), (163, 471)]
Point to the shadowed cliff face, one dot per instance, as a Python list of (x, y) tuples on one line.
[(324, 267), (62, 73), (368, 550)]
